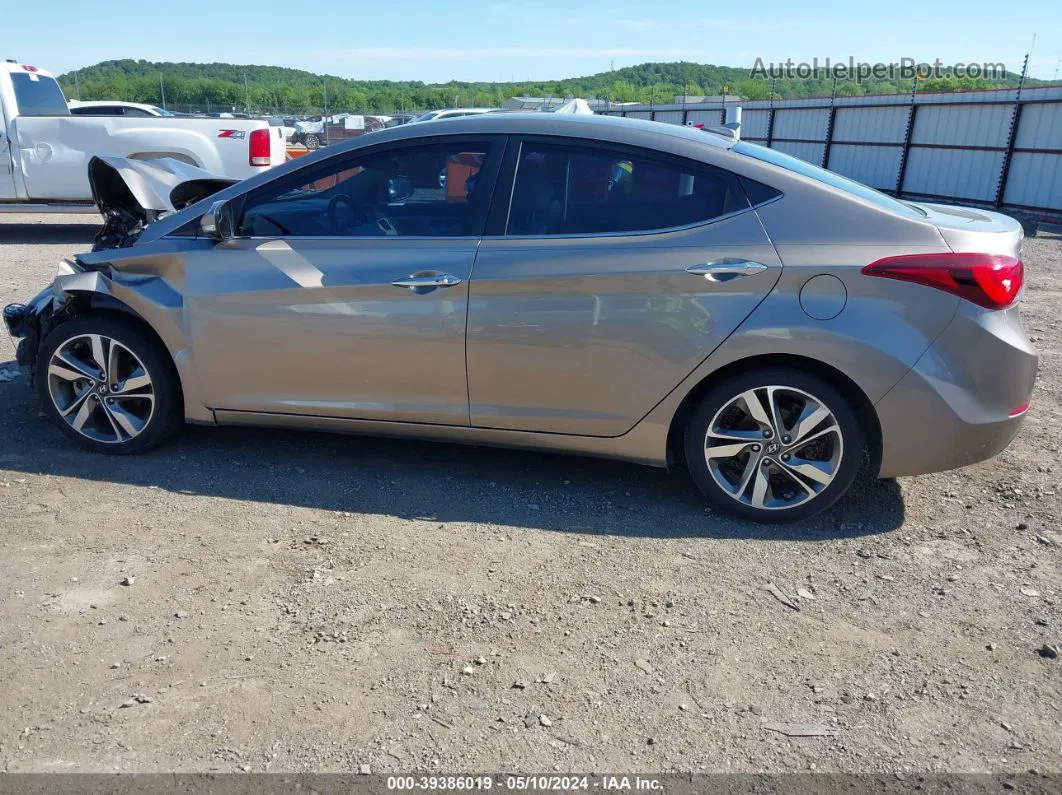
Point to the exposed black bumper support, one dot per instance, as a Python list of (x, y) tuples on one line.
[(15, 319), (24, 323)]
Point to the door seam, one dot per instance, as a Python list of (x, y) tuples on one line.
[(468, 305)]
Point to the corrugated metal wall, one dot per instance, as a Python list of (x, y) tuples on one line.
[(801, 125), (872, 165), (753, 123), (812, 152), (975, 147), (705, 116), (875, 125), (1033, 181), (953, 173), (669, 116)]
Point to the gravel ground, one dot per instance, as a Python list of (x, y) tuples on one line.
[(310, 602)]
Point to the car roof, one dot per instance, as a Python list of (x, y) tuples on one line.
[(609, 128)]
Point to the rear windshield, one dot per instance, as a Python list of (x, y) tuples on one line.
[(806, 169), (36, 95)]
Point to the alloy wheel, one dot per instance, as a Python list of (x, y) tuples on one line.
[(100, 388), (773, 447)]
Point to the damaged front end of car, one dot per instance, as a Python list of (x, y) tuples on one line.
[(130, 195), (29, 323), (74, 290), (24, 324)]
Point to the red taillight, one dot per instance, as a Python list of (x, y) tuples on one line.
[(989, 280), (1017, 411), (259, 151)]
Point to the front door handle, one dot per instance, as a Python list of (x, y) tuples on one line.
[(728, 269), (425, 282)]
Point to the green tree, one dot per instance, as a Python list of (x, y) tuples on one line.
[(273, 88)]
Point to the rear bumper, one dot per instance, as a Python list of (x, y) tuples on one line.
[(958, 404)]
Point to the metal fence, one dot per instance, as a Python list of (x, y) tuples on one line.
[(991, 148)]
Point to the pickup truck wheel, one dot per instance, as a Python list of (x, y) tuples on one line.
[(108, 385), (312, 141)]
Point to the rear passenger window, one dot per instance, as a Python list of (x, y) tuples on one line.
[(572, 190)]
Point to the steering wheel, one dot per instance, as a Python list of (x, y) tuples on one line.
[(359, 214)]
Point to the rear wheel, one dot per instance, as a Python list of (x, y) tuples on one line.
[(774, 445), (108, 385), (312, 142)]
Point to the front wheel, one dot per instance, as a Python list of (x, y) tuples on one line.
[(108, 384), (312, 142), (774, 445)]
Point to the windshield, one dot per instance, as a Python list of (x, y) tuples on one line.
[(431, 114), (161, 111), (806, 169), (37, 95)]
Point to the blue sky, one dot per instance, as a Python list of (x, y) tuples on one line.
[(439, 40)]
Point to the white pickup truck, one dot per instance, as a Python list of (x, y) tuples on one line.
[(45, 151)]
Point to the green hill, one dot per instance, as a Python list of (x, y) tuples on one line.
[(274, 88)]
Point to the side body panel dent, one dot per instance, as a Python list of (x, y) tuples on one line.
[(148, 293)]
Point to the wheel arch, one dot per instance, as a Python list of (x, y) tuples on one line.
[(864, 408), (87, 303)]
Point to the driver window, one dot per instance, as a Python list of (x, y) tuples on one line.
[(425, 191)]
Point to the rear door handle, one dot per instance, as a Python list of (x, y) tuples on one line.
[(728, 269), (423, 282)]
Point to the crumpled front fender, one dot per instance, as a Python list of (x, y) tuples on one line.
[(145, 296)]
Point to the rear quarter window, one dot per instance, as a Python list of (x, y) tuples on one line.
[(37, 95), (806, 169)]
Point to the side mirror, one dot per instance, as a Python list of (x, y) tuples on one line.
[(218, 222), (399, 189)]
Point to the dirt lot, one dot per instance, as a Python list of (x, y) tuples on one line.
[(310, 602)]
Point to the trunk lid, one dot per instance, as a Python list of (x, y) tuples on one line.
[(972, 230)]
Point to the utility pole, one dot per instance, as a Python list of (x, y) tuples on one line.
[(246, 94), (77, 85), (162, 91), (326, 96)]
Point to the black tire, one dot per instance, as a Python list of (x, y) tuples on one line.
[(312, 142), (162, 420), (852, 444)]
